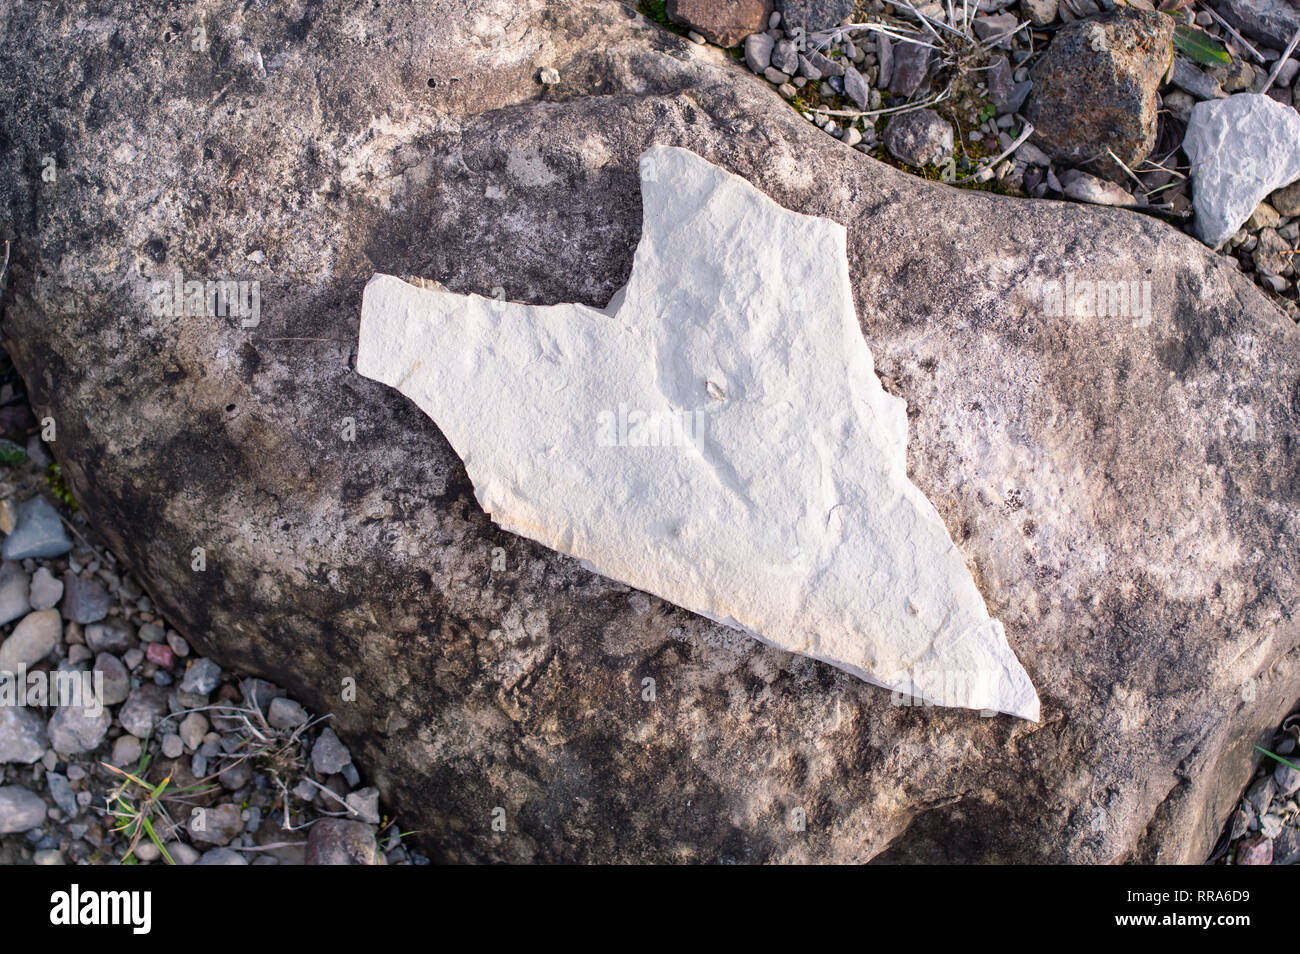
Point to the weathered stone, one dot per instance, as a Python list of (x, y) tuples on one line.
[(336, 841), (1039, 12), (216, 825), (724, 22), (1094, 90), (856, 88), (38, 532), (84, 600), (1067, 455), (919, 137), (911, 64), (1287, 200), (758, 52), (1241, 149), (20, 809), (1269, 21), (813, 14), (1085, 188), (79, 728), (32, 640), (22, 735), (13, 592)]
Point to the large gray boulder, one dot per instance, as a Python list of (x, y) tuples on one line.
[(1122, 484)]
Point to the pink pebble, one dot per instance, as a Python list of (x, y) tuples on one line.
[(160, 654)]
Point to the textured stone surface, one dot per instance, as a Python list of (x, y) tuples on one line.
[(1241, 149), (20, 809), (673, 449), (814, 14), (1094, 89), (1268, 21), (920, 137), (1123, 491), (22, 734), (725, 22)]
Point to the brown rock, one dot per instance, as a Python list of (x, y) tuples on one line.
[(724, 22), (1094, 90), (1119, 487), (337, 841)]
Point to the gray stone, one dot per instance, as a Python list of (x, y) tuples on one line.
[(202, 677), (20, 810), (1039, 12), (920, 137), (807, 70), (1286, 201), (911, 65), (337, 841), (222, 856), (63, 795), (1083, 187), (46, 590), (77, 729), (126, 751), (364, 805), (758, 52), (116, 680), (32, 640), (1179, 105), (110, 636), (773, 75), (217, 825), (38, 533), (285, 714), (1000, 25), (192, 729), (84, 600), (1094, 90), (885, 60), (1241, 149), (142, 710), (372, 560), (856, 88), (22, 735), (13, 592), (1273, 22), (329, 754), (172, 746), (813, 14), (1195, 81), (824, 64), (1287, 780), (785, 58)]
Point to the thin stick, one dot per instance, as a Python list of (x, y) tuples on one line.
[(1237, 36), (878, 112), (1020, 141), (1281, 60), (1131, 174)]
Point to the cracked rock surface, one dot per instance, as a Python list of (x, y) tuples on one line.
[(1122, 489)]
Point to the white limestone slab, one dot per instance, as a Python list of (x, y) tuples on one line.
[(1241, 149), (716, 436)]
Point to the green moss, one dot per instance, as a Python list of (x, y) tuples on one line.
[(59, 488), (657, 10)]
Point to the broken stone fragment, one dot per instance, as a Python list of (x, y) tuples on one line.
[(1241, 149), (716, 436)]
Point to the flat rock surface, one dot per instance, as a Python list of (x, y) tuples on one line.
[(1123, 490)]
